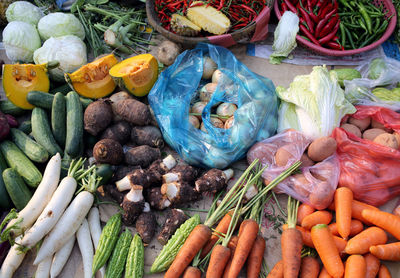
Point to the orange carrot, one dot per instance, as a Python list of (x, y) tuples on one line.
[(218, 259), (305, 235), (255, 259), (326, 248), (196, 240), (309, 267), (385, 220), (360, 243), (384, 272), (324, 273), (192, 272), (303, 211), (372, 265), (232, 246), (233, 243), (318, 217), (356, 227), (387, 252), (243, 248), (355, 267), (343, 198), (357, 208), (221, 228), (340, 243), (276, 271)]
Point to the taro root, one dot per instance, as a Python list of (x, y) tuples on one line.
[(146, 226), (115, 99), (111, 191), (157, 200), (167, 52), (137, 177), (133, 111), (250, 193), (175, 218), (213, 180), (179, 193), (120, 132), (158, 168), (147, 135), (181, 173), (133, 205), (122, 171), (98, 115), (142, 156), (108, 151)]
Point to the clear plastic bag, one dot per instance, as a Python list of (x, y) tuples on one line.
[(315, 185), (255, 119)]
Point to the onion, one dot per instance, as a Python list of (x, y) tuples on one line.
[(215, 122), (206, 91), (194, 121), (226, 109), (217, 76), (209, 66), (198, 108), (229, 122)]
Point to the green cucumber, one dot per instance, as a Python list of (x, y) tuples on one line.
[(42, 133), (40, 99), (105, 171), (64, 89), (26, 127), (29, 147), (85, 101), (16, 188), (5, 201), (74, 125), (17, 160), (58, 118), (7, 107)]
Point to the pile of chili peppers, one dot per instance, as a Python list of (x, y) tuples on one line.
[(240, 12)]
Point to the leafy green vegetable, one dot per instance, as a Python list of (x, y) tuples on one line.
[(60, 24), (24, 11), (386, 94), (376, 68)]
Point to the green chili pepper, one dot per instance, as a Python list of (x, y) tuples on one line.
[(360, 21), (366, 17), (342, 34), (350, 38)]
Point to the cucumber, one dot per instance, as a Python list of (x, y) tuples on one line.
[(40, 99), (16, 188), (17, 160), (29, 147), (26, 127), (5, 201), (85, 101), (64, 89), (7, 107), (74, 125), (58, 115), (42, 133), (105, 171)]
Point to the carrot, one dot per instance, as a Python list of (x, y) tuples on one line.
[(357, 208), (360, 243), (372, 265), (387, 252), (356, 226), (305, 235), (276, 271), (254, 261), (233, 243), (343, 198), (384, 272), (303, 211), (196, 240), (309, 267), (192, 272), (355, 267), (232, 246), (384, 220), (221, 228), (340, 243), (219, 257), (318, 217), (324, 273), (326, 248), (244, 245)]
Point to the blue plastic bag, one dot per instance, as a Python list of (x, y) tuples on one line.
[(255, 119)]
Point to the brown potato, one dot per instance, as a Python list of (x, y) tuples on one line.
[(388, 140), (321, 195), (322, 148), (376, 124), (283, 154), (301, 184), (352, 129), (306, 161), (362, 124), (371, 134), (397, 135)]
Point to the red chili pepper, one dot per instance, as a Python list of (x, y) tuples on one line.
[(221, 4), (309, 22), (320, 25), (248, 8), (335, 4), (196, 5), (328, 27), (335, 45), (295, 2), (308, 34), (313, 17), (330, 36), (284, 7), (291, 6), (326, 10)]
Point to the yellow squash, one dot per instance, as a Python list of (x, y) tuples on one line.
[(20, 79), (136, 74), (93, 79)]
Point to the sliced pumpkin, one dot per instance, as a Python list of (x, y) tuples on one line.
[(93, 79), (20, 79), (136, 74)]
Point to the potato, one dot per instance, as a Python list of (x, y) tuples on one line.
[(321, 195), (306, 161), (388, 140), (301, 185), (376, 124), (283, 154), (352, 129), (322, 148), (371, 134), (362, 124), (397, 135)]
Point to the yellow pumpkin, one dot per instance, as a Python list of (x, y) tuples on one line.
[(20, 79), (136, 74), (93, 80)]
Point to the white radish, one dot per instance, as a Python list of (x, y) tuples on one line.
[(43, 269), (12, 261), (68, 224), (61, 257), (95, 231), (51, 213), (86, 247), (40, 198)]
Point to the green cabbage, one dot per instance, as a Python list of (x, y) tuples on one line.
[(313, 104), (20, 40), (376, 68), (60, 24), (24, 11)]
